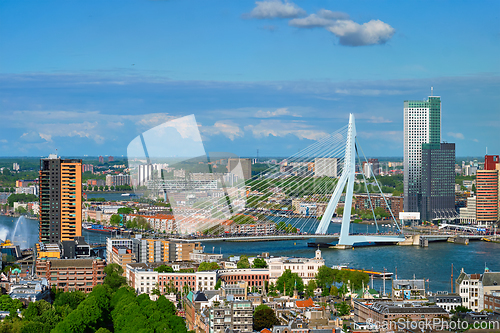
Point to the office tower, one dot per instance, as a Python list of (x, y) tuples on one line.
[(242, 167), (487, 194), (491, 161), (60, 199), (422, 124), (437, 192), (145, 174), (326, 167)]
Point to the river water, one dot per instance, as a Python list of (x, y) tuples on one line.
[(433, 262)]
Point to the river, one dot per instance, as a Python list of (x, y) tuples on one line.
[(433, 262)]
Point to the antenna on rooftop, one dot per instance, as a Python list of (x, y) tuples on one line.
[(432, 91)]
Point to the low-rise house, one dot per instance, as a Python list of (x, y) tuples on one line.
[(30, 290)]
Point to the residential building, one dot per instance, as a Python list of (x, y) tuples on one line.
[(253, 277), (26, 182), (15, 166), (326, 166), (306, 268), (87, 168), (241, 167), (33, 189), (375, 166), (492, 301), (72, 274), (101, 159), (470, 289), (422, 124), (390, 312), (111, 159), (448, 302), (491, 161), (403, 289), (147, 250), (232, 316), (30, 290), (117, 180), (143, 278), (437, 183), (60, 199), (487, 194)]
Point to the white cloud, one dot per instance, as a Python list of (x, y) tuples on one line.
[(227, 128), (277, 113), (279, 128), (351, 33), (456, 135), (475, 140), (328, 14), (311, 21), (276, 9), (324, 18)]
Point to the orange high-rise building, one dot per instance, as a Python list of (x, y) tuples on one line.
[(60, 199), (487, 183)]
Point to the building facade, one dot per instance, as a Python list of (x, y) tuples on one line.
[(487, 188), (72, 274), (437, 191), (60, 199), (422, 124)]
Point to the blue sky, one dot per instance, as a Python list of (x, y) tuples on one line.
[(86, 77)]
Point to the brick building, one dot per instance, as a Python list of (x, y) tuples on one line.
[(72, 274)]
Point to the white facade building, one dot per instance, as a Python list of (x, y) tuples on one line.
[(306, 268), (468, 214)]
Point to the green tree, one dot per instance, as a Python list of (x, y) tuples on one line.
[(115, 219), (288, 282), (311, 287), (125, 210), (243, 262), (114, 276), (164, 269), (218, 284), (342, 308), (208, 266), (71, 298), (264, 317), (259, 263)]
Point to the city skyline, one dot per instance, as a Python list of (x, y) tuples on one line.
[(267, 75)]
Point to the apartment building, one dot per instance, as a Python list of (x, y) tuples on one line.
[(71, 274), (143, 278), (233, 316), (254, 277)]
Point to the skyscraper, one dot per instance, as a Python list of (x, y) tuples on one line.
[(422, 124), (437, 191), (487, 194), (60, 199)]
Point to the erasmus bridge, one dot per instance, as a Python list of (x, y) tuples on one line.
[(312, 183)]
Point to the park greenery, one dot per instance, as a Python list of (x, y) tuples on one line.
[(208, 266), (111, 307), (243, 262), (288, 282), (328, 278), (21, 197), (259, 263), (138, 222)]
